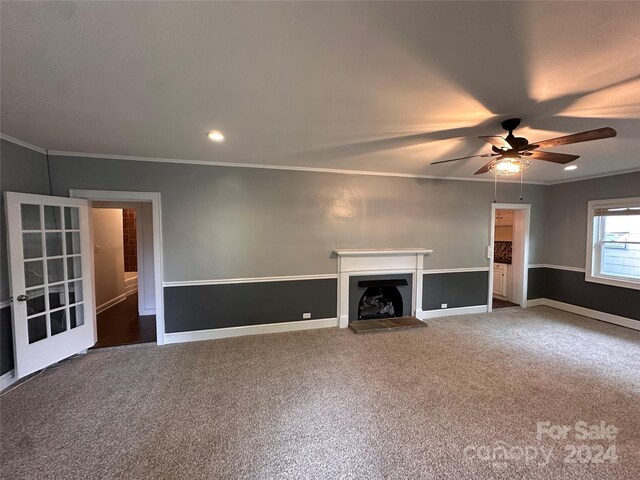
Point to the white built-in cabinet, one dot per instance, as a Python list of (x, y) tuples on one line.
[(501, 280)]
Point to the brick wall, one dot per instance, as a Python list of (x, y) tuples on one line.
[(130, 240)]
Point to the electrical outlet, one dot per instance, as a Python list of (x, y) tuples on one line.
[(306, 315), (443, 305)]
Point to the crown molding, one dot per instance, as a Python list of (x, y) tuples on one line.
[(62, 153), (591, 177), (58, 153), (22, 143)]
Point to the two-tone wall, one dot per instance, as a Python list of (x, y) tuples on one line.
[(267, 236), (562, 276), (248, 246)]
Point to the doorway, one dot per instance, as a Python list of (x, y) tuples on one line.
[(509, 255), (135, 312), (125, 310)]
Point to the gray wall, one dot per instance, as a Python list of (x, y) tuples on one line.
[(21, 170), (456, 289), (570, 287), (221, 222), (566, 215)]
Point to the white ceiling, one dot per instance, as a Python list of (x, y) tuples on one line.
[(385, 87)]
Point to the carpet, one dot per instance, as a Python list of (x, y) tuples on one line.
[(462, 399)]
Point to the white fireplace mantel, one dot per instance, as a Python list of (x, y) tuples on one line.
[(379, 262)]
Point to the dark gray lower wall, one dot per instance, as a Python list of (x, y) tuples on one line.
[(231, 305), (6, 341), (536, 283), (570, 287), (456, 289)]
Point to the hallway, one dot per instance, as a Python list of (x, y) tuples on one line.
[(121, 325)]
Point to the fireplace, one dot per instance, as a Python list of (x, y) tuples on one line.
[(373, 297), (380, 302), (356, 266)]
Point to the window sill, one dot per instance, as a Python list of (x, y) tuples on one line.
[(613, 281)]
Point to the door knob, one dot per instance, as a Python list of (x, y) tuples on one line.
[(22, 298)]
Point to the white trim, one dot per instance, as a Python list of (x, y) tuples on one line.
[(591, 177), (456, 270), (131, 285), (379, 262), (217, 333), (535, 302), (587, 312), (592, 256), (5, 304), (8, 379), (156, 210), (448, 312), (524, 281), (382, 252), (110, 303), (615, 282), (22, 143), (62, 153), (262, 166), (557, 267), (225, 281)]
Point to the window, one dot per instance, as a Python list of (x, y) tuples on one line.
[(613, 242)]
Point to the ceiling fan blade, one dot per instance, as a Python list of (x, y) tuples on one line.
[(497, 141), (485, 169), (553, 157), (597, 134), (463, 158)]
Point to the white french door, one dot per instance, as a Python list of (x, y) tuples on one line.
[(51, 279)]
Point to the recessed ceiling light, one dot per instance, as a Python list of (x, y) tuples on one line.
[(571, 167), (215, 136)]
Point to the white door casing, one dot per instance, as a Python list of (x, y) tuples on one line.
[(520, 256), (51, 279)]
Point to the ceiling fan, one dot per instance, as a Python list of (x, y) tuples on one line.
[(511, 154)]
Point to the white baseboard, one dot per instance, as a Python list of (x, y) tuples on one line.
[(448, 312), (128, 291), (149, 311), (587, 312), (536, 302), (7, 379), (111, 303), (130, 285), (216, 333)]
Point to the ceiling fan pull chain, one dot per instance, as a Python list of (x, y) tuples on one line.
[(521, 197), (495, 187)]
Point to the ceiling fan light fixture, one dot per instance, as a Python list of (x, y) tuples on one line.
[(510, 166)]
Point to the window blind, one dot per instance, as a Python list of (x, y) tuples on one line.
[(616, 211)]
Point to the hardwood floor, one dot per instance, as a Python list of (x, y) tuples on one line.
[(499, 303), (121, 325)]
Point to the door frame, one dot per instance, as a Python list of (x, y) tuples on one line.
[(526, 210), (139, 197)]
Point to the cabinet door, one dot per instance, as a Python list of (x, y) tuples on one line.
[(499, 283)]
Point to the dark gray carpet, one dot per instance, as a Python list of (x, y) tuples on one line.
[(331, 404)]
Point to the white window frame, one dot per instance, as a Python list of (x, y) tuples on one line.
[(592, 262)]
